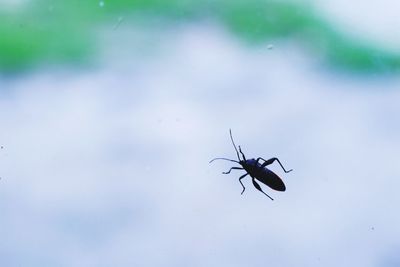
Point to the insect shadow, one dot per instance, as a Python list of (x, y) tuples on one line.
[(258, 171)]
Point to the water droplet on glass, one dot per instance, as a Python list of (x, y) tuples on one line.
[(270, 46), (101, 3)]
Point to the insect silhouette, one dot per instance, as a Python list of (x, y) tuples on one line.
[(258, 171)]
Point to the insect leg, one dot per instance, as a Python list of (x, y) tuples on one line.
[(240, 178), (233, 168), (256, 185), (270, 161)]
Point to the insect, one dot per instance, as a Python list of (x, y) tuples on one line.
[(257, 170)]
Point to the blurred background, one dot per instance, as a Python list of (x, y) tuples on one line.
[(111, 110)]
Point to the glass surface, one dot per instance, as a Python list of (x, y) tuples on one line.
[(110, 112)]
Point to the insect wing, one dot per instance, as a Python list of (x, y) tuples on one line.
[(272, 180)]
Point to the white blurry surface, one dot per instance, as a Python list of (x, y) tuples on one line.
[(376, 21), (110, 167)]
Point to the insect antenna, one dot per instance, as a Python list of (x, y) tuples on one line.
[(224, 159), (237, 153)]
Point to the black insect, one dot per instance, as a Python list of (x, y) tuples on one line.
[(257, 171)]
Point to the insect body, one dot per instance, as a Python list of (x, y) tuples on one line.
[(257, 169)]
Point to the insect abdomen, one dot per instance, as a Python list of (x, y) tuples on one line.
[(271, 179)]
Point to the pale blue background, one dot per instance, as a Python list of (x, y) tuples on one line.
[(108, 166)]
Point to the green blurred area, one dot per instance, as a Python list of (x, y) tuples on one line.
[(54, 32)]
